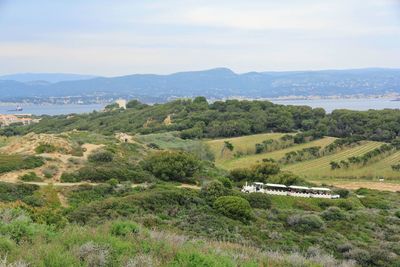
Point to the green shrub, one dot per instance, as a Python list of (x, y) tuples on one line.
[(374, 202), (45, 148), (343, 193), (213, 190), (30, 177), (123, 228), (226, 182), (113, 182), (56, 257), (305, 222), (12, 192), (397, 213), (50, 171), (172, 166), (6, 245), (107, 171), (67, 177), (333, 214), (74, 161), (101, 156), (346, 205), (259, 200), (17, 162), (195, 259), (233, 207), (305, 204)]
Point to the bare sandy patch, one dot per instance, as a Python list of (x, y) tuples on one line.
[(382, 186)]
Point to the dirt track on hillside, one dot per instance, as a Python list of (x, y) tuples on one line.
[(382, 186)]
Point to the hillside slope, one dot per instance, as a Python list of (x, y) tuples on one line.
[(215, 83)]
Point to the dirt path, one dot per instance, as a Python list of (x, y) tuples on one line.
[(382, 186), (58, 183), (63, 200), (190, 186)]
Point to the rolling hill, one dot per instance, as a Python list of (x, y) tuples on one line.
[(215, 83)]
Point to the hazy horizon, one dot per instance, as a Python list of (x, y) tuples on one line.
[(193, 70), (163, 37)]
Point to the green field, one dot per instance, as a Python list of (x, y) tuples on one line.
[(320, 168), (249, 160), (243, 144), (316, 169)]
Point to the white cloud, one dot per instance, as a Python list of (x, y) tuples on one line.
[(171, 35)]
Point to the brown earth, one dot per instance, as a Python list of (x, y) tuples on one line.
[(382, 186), (28, 143)]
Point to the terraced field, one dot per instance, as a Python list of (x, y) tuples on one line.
[(247, 161), (318, 170), (243, 144)]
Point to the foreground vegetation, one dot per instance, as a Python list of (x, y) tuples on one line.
[(165, 187), (162, 225)]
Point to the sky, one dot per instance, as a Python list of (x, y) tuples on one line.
[(118, 37)]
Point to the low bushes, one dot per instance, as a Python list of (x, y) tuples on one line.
[(259, 200), (13, 192), (50, 171), (333, 214), (107, 171), (374, 202), (123, 228), (30, 177), (234, 207), (101, 156), (17, 162), (213, 190), (305, 222), (45, 148), (196, 259)]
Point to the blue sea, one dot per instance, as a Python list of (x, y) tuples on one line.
[(50, 109), (328, 104), (353, 104)]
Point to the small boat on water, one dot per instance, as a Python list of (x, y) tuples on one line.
[(18, 108)]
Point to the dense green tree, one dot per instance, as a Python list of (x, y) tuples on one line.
[(172, 166), (234, 207)]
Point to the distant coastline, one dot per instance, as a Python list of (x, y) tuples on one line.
[(329, 104)]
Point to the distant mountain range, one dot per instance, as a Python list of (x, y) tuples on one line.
[(214, 83), (45, 77)]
